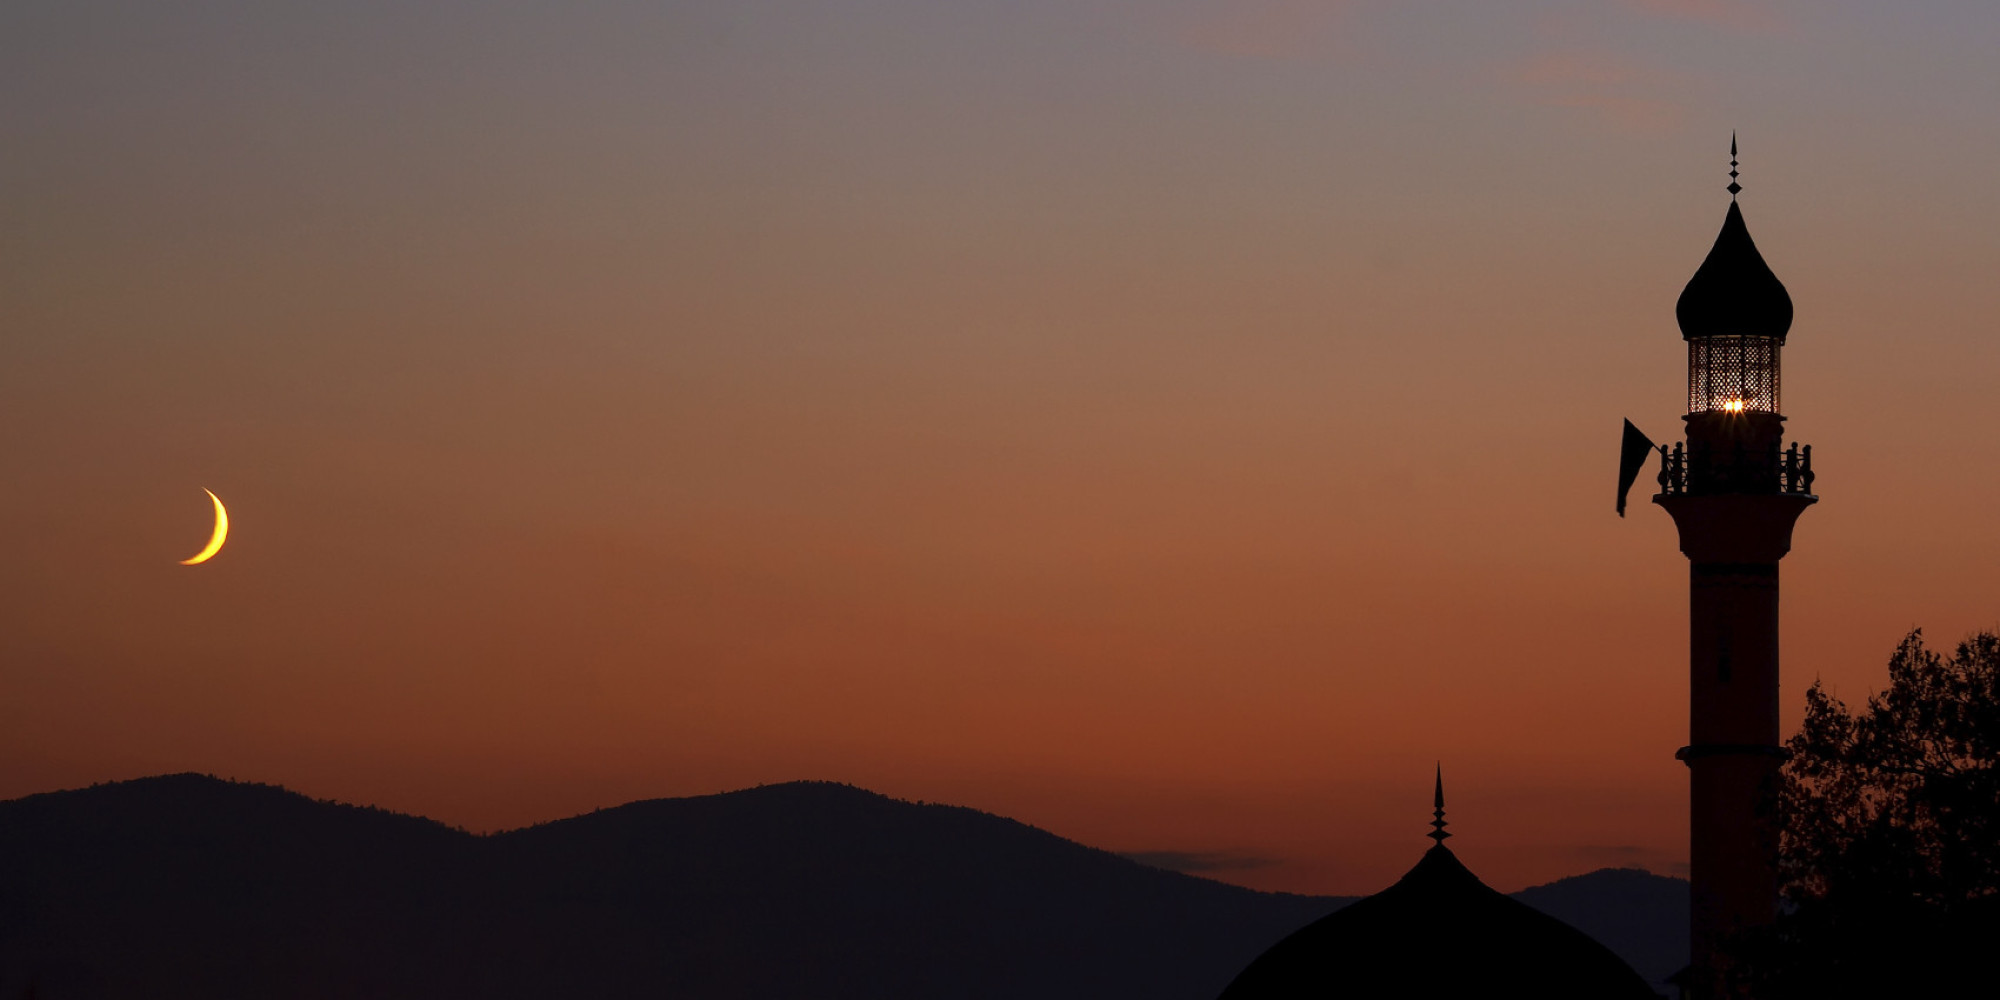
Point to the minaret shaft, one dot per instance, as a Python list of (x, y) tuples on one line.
[(1733, 543), (1733, 753)]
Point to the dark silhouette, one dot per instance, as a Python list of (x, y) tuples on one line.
[(1633, 450), (1439, 932), (187, 886), (1641, 916), (1734, 494), (1734, 293), (1891, 845)]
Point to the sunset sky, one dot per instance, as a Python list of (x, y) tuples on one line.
[(1175, 424)]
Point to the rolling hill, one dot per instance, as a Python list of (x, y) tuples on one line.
[(186, 885)]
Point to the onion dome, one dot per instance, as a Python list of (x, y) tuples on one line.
[(1734, 293), (1439, 932)]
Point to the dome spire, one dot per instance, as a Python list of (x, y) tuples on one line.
[(1437, 802), (1734, 293), (1733, 186)]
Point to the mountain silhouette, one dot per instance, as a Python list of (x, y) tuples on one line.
[(186, 885), (1641, 916)]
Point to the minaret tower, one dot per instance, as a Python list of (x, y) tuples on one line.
[(1734, 492)]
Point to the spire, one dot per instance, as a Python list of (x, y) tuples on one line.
[(1734, 293), (1437, 802), (1733, 186)]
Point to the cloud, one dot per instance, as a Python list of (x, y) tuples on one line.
[(1267, 29), (1627, 113), (1611, 852), (1630, 856), (1569, 69), (1733, 14), (1626, 95), (1196, 862)]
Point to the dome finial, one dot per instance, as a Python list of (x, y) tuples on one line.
[(1437, 802), (1733, 186), (1734, 293)]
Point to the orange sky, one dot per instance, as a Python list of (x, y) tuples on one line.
[(1174, 426)]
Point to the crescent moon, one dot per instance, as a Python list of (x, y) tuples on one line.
[(214, 541)]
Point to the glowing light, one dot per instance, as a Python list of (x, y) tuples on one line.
[(1734, 406), (215, 540)]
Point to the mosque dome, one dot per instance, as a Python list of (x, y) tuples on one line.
[(1734, 293), (1439, 932)]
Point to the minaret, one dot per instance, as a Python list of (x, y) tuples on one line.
[(1734, 492)]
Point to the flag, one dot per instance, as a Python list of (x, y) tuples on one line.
[(1631, 458)]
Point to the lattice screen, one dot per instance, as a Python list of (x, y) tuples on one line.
[(1733, 373)]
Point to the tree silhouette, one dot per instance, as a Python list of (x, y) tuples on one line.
[(1890, 850)]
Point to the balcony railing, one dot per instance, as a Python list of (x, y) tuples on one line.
[(1708, 471)]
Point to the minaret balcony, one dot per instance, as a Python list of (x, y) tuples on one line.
[(1709, 469)]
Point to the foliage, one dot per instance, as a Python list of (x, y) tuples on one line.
[(1890, 850)]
